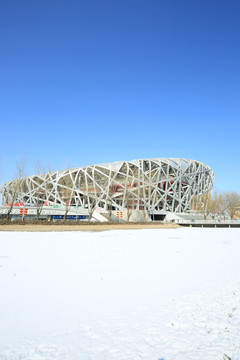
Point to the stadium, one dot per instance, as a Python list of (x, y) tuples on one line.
[(101, 192)]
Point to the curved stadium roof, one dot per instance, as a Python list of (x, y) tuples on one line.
[(151, 184)]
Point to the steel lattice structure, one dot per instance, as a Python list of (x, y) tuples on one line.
[(168, 184)]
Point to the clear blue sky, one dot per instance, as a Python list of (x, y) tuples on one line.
[(84, 82)]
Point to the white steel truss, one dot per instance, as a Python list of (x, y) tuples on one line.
[(150, 184)]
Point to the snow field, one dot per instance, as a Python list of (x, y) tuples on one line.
[(169, 294)]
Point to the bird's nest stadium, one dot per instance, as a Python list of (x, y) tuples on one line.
[(153, 185)]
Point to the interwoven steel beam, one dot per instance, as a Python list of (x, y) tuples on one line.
[(150, 184)]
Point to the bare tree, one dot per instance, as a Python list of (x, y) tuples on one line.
[(49, 168), (94, 199), (129, 203), (231, 202), (113, 189), (237, 214), (67, 191), (218, 204), (92, 204), (206, 204), (21, 166), (40, 203), (67, 206), (40, 194), (143, 205), (39, 168), (68, 196), (16, 185)]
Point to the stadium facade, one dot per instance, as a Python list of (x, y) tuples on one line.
[(153, 185)]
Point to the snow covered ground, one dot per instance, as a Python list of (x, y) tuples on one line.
[(171, 294)]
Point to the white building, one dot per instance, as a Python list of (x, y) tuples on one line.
[(152, 185)]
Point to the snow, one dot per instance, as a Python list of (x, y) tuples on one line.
[(168, 294)]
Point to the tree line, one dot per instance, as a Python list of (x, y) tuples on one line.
[(221, 204)]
